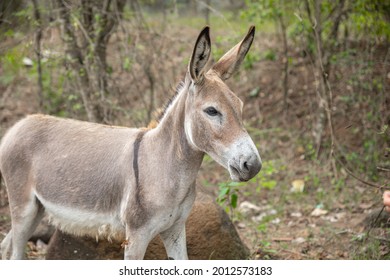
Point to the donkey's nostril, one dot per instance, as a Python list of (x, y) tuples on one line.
[(251, 166), (245, 166)]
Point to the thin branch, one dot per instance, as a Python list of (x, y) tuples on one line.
[(38, 38), (385, 186), (87, 19), (376, 220), (328, 103), (216, 12), (383, 169), (83, 30), (283, 29)]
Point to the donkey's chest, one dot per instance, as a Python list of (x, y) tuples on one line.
[(177, 206)]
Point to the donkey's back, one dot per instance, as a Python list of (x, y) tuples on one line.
[(56, 152)]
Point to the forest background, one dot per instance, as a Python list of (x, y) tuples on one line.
[(315, 85)]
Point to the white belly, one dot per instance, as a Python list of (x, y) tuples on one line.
[(84, 222)]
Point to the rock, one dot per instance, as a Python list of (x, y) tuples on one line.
[(334, 218), (260, 217), (63, 246), (210, 235), (318, 212), (27, 62), (249, 208), (296, 214), (298, 240), (298, 186)]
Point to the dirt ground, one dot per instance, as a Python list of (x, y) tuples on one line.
[(297, 208)]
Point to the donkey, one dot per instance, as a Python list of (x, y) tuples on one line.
[(126, 183)]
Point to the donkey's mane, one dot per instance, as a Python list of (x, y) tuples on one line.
[(162, 112)]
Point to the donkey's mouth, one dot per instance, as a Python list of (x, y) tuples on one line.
[(244, 172), (235, 174)]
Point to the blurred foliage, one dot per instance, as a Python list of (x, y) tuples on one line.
[(348, 28)]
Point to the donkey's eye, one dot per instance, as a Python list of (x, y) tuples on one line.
[(211, 111)]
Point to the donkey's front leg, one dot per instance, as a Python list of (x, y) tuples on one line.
[(174, 240), (136, 244)]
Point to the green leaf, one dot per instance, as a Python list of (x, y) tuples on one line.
[(233, 200), (223, 191), (127, 64), (236, 184)]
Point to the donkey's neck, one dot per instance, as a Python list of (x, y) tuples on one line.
[(171, 137)]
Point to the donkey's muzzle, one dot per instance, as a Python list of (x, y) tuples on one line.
[(245, 168)]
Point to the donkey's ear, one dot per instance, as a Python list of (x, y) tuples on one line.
[(229, 63), (200, 55)]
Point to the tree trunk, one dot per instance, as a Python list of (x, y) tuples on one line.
[(320, 116), (88, 54)]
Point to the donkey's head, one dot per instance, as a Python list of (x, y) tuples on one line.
[(213, 120)]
